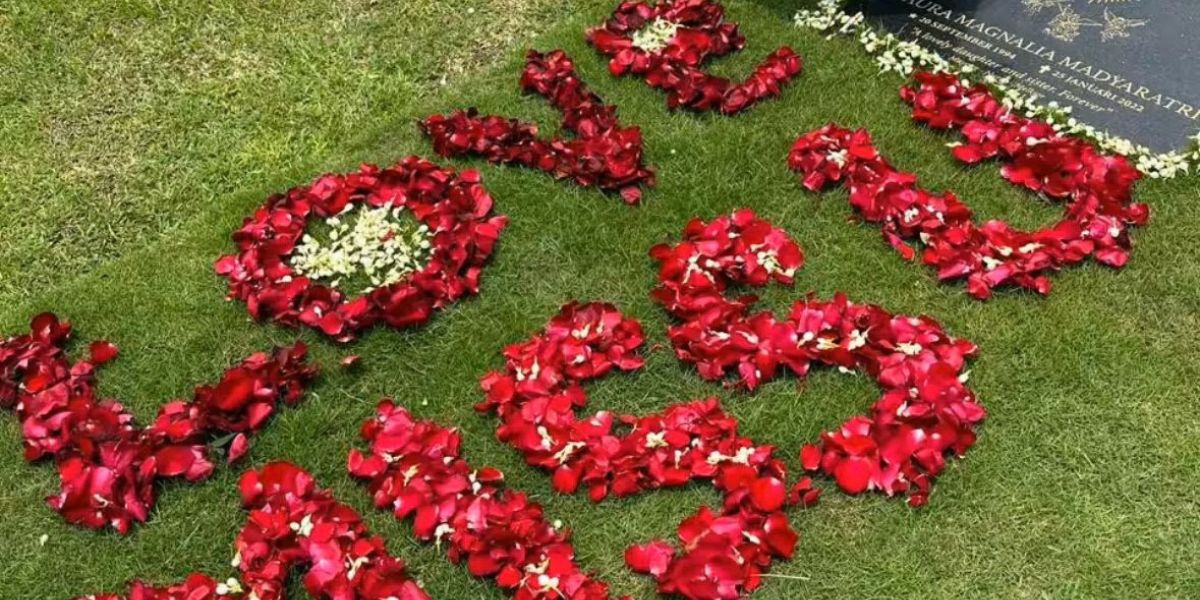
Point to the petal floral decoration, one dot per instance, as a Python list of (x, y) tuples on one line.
[(1097, 189), (925, 412), (602, 154), (455, 207), (107, 465), (291, 526), (415, 469), (666, 43), (721, 554)]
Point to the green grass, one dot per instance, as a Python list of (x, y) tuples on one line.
[(135, 150), (125, 119)]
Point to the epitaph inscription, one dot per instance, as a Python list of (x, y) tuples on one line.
[(1129, 67)]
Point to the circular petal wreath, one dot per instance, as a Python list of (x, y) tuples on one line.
[(455, 208)]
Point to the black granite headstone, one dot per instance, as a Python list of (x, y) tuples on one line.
[(1129, 67)]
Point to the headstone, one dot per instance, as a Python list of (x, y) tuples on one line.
[(1128, 67)]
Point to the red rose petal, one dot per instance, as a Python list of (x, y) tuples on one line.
[(810, 457), (101, 352), (768, 494), (237, 448), (175, 460), (854, 475), (652, 558)]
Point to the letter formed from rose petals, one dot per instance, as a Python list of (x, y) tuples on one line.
[(925, 412), (415, 469), (722, 553), (602, 153), (291, 526), (665, 43), (1097, 189), (107, 466)]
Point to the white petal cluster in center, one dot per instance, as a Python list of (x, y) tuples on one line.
[(380, 243), (655, 35)]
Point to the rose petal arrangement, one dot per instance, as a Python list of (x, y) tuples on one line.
[(925, 415), (293, 525), (107, 465), (665, 43), (455, 209), (720, 554), (1097, 189), (415, 469), (602, 154), (925, 412)]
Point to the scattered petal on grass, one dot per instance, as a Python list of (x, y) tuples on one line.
[(101, 352)]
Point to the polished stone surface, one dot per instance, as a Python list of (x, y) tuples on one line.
[(1130, 67)]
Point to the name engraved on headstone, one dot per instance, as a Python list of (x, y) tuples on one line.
[(1128, 67)]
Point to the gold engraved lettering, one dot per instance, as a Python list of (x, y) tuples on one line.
[(1067, 23)]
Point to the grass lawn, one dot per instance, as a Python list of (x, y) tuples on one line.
[(140, 134)]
